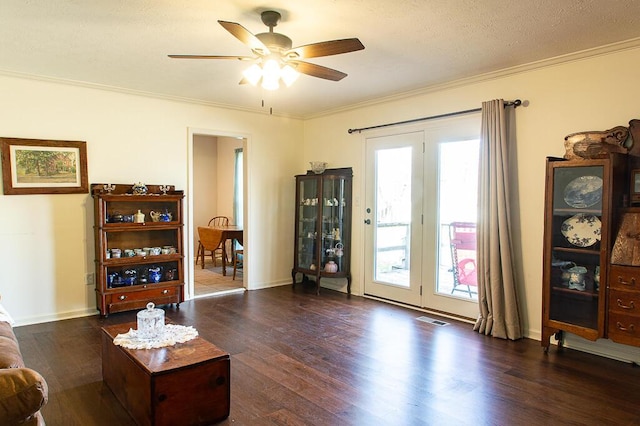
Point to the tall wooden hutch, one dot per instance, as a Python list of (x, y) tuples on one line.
[(138, 260), (582, 205)]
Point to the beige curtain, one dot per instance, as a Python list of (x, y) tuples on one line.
[(498, 301)]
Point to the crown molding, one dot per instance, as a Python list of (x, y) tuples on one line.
[(493, 75), (544, 63), (134, 92)]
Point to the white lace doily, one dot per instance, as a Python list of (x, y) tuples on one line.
[(172, 334)]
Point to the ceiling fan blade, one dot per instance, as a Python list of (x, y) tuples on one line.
[(325, 48), (317, 70), (245, 36), (240, 58)]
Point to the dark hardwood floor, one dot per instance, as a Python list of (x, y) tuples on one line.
[(302, 359)]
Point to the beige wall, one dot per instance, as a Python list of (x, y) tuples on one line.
[(595, 93), (205, 180), (47, 244), (47, 241)]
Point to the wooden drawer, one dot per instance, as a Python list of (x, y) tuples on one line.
[(624, 302), (624, 278), (624, 328), (128, 300)]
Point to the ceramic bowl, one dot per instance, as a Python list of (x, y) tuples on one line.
[(318, 167)]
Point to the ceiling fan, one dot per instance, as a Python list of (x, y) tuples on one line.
[(272, 51)]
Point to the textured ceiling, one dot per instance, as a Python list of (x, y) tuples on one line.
[(409, 44)]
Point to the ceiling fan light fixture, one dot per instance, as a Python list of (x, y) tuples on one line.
[(253, 74), (271, 75), (274, 57), (289, 75)]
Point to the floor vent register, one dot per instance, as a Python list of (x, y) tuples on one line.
[(432, 321)]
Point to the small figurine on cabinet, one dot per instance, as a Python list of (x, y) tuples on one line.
[(139, 188), (164, 189)]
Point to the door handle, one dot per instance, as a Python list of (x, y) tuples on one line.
[(367, 221)]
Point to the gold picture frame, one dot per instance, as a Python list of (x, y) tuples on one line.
[(39, 166)]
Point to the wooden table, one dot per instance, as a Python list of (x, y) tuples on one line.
[(185, 384)]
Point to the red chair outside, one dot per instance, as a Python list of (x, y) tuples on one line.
[(463, 256)]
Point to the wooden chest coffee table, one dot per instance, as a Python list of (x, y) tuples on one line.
[(185, 384)]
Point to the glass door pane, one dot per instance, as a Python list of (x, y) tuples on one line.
[(335, 219), (308, 204), (575, 252), (392, 233), (457, 212), (393, 217)]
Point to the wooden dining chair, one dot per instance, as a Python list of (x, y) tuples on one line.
[(215, 222), (238, 256), (219, 221), (210, 241)]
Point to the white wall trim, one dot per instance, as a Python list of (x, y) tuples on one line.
[(89, 312), (544, 63), (603, 347), (189, 224), (272, 284), (128, 91)]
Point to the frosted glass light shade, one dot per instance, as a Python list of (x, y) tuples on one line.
[(289, 75), (271, 75), (253, 74)]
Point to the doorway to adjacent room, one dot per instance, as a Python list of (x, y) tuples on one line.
[(217, 189)]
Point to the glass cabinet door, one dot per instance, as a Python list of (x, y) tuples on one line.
[(575, 231), (307, 232), (336, 190)]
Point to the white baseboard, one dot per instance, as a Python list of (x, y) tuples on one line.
[(56, 317), (603, 347), (260, 286)]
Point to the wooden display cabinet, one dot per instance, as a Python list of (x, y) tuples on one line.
[(155, 270), (322, 246), (580, 213)]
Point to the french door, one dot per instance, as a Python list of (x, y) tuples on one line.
[(393, 217), (419, 186)]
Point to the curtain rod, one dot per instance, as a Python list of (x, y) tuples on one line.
[(515, 103)]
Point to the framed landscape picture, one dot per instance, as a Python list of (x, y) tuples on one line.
[(36, 166)]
